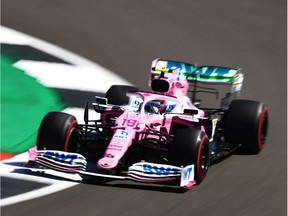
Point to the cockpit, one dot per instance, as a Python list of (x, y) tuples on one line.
[(155, 106), (151, 104)]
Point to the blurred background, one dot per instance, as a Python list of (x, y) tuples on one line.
[(125, 36)]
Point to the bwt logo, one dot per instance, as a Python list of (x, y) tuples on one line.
[(187, 173), (159, 170), (121, 134), (62, 157)]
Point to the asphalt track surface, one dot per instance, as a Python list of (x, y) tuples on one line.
[(125, 36)]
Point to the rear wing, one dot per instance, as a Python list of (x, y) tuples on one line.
[(202, 74)]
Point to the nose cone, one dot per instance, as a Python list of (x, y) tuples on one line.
[(107, 163)]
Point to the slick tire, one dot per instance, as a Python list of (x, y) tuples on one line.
[(57, 132), (247, 124), (191, 147), (116, 94)]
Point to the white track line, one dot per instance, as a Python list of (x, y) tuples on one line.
[(7, 169), (36, 193), (81, 75), (53, 188), (16, 172)]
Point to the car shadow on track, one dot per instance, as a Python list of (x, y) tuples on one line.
[(21, 168), (169, 187)]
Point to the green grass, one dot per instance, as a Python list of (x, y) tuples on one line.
[(24, 103)]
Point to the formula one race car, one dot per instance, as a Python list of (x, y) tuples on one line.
[(155, 136)]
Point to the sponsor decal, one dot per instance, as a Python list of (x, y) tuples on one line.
[(214, 123), (114, 149), (159, 169), (115, 146), (62, 156), (136, 103), (119, 143), (122, 134), (61, 161), (187, 176), (170, 107), (237, 83)]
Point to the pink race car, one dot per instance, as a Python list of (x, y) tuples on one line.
[(155, 136)]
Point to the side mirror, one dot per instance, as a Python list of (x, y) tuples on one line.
[(197, 102), (101, 100), (100, 104), (190, 111)]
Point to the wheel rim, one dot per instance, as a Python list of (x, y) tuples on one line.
[(262, 128), (205, 160), (70, 135), (73, 141)]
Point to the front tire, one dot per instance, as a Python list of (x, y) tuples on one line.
[(191, 147), (247, 124), (57, 132)]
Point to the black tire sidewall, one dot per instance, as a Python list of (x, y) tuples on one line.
[(244, 124), (55, 131), (187, 149)]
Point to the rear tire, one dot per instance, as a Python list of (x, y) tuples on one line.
[(57, 132), (191, 147), (116, 94), (247, 124)]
